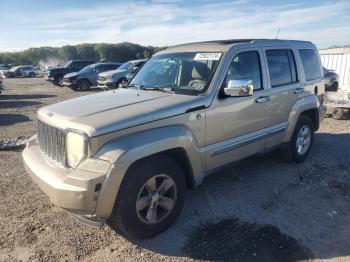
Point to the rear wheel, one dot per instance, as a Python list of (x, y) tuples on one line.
[(338, 113), (299, 146), (150, 197)]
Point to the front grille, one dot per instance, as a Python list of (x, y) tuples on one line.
[(51, 141), (101, 78), (66, 80)]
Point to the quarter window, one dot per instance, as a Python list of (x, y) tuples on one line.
[(246, 65), (310, 64), (282, 67)]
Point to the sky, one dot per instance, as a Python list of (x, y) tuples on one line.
[(35, 23)]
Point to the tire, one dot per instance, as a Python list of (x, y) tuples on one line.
[(134, 222), (299, 147), (83, 85), (338, 113), (119, 83), (57, 81)]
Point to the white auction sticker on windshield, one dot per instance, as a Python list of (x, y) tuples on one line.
[(207, 56)]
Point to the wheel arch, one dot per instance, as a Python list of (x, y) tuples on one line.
[(176, 142), (304, 106)]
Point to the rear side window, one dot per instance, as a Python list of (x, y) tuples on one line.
[(310, 64), (282, 67)]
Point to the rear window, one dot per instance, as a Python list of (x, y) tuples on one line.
[(282, 67), (310, 64)]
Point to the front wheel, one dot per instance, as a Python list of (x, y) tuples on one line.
[(150, 197), (83, 85), (57, 81), (299, 146)]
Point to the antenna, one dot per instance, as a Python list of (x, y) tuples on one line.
[(278, 31)]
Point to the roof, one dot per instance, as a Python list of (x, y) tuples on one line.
[(224, 45), (136, 60), (107, 63)]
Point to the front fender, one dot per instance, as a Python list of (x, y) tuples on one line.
[(300, 106), (124, 151)]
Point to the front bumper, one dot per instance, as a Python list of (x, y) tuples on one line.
[(69, 84), (76, 191), (106, 84)]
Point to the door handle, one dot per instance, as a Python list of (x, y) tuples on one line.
[(262, 99), (298, 90)]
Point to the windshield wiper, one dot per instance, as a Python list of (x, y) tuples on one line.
[(139, 86), (165, 89)]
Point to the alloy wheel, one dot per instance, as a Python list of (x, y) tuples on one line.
[(156, 199), (303, 140)]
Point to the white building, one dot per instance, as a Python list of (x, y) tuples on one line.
[(337, 59)]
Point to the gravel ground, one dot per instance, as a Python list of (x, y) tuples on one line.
[(260, 210)]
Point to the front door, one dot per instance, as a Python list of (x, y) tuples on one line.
[(235, 126)]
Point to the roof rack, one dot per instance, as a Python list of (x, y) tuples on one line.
[(237, 41)]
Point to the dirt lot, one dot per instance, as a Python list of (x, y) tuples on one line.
[(260, 210)]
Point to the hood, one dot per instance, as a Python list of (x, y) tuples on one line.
[(71, 75), (114, 110), (113, 72), (57, 69)]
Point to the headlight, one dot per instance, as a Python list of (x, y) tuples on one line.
[(109, 77), (75, 148)]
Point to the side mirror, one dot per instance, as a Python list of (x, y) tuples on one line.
[(243, 87), (135, 68)]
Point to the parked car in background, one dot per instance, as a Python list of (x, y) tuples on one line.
[(21, 71), (115, 78), (337, 97), (3, 70), (56, 74), (331, 80), (8, 66), (87, 76), (1, 84), (129, 155)]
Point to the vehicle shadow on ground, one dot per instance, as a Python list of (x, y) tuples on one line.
[(32, 96), (10, 119), (14, 104), (267, 210)]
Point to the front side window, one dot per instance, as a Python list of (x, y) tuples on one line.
[(310, 64), (246, 66), (282, 67), (184, 73)]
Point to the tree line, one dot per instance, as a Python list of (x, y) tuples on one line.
[(43, 56)]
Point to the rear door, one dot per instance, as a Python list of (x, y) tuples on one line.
[(284, 89)]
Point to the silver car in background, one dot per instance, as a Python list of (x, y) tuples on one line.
[(115, 78)]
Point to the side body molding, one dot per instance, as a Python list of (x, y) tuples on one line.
[(124, 151), (301, 105)]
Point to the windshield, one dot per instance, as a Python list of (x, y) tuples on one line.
[(184, 73), (68, 63), (87, 69), (124, 66)]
